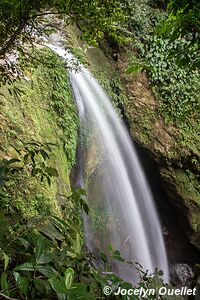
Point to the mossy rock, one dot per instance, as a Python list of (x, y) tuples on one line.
[(40, 107), (182, 188)]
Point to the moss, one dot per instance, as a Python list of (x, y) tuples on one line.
[(182, 187), (107, 75), (187, 185), (189, 189), (43, 110), (189, 136), (142, 128)]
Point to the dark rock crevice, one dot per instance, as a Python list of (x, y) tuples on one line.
[(179, 247)]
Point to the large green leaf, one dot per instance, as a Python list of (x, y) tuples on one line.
[(12, 161), (26, 267), (61, 224), (69, 276), (4, 283), (51, 231), (22, 283), (61, 296), (45, 258), (103, 256), (117, 256), (81, 291), (58, 285), (44, 154), (52, 171), (42, 286), (47, 271), (77, 244), (40, 247), (6, 261)]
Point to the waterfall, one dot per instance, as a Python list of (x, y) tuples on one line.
[(122, 212)]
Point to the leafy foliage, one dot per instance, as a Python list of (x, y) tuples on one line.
[(45, 258), (59, 96), (21, 18), (184, 22), (169, 64), (177, 87), (48, 253), (142, 17), (96, 18), (39, 168), (15, 202), (50, 266), (33, 157), (32, 161)]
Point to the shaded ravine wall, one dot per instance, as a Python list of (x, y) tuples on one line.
[(179, 249)]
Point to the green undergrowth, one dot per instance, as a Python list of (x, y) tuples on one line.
[(42, 256), (38, 136), (190, 180), (54, 84), (39, 107), (176, 87)]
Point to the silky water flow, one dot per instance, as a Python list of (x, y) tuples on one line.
[(122, 211)]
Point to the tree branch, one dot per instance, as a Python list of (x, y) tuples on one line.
[(47, 13), (12, 39), (23, 22)]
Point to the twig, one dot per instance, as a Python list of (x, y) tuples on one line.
[(7, 297), (47, 13)]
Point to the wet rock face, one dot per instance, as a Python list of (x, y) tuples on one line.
[(178, 245), (181, 275), (184, 198)]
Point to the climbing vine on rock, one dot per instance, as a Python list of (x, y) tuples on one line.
[(176, 86)]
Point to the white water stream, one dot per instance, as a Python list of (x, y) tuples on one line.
[(122, 208)]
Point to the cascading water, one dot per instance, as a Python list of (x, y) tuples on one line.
[(122, 212)]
